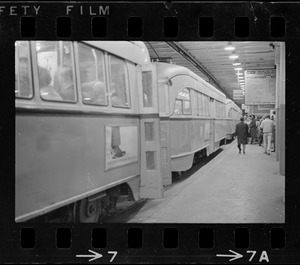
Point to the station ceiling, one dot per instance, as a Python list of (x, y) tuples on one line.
[(211, 61)]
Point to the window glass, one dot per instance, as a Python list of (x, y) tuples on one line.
[(162, 98), (55, 70), (186, 107), (178, 107), (183, 102), (195, 103), (207, 105), (23, 81), (184, 94), (149, 131), (92, 82), (199, 104), (147, 88), (118, 82), (150, 159)]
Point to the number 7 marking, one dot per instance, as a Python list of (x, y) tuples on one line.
[(114, 255), (253, 254)]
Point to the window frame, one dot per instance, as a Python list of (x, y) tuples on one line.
[(127, 82), (60, 44), (182, 102), (30, 68), (94, 51)]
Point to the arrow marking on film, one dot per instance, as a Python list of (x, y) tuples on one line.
[(235, 256), (94, 256)]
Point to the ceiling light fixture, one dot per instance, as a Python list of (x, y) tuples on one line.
[(236, 62), (233, 55), (229, 46), (238, 68), (238, 73)]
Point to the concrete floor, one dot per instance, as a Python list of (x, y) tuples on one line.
[(231, 188)]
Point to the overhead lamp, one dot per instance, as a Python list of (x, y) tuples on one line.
[(229, 46), (233, 55), (238, 68), (236, 62), (238, 73), (241, 78)]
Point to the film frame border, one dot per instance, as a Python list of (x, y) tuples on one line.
[(152, 250)]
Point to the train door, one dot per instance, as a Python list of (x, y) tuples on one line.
[(164, 113), (212, 125), (151, 180)]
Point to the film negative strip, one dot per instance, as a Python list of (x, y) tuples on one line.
[(33, 229)]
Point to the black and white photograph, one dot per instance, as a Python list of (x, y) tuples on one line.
[(150, 132)]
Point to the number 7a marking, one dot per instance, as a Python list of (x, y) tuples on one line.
[(114, 253)]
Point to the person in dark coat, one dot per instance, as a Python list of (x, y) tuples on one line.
[(253, 129), (241, 132)]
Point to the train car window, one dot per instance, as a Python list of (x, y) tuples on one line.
[(23, 77), (195, 103), (211, 107), (207, 102), (204, 101), (187, 107), (119, 87), (201, 101), (55, 71), (220, 109), (162, 90), (147, 88), (206, 105), (149, 131), (92, 82), (218, 106), (150, 160), (178, 107), (183, 102)]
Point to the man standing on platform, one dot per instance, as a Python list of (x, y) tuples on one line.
[(267, 126), (241, 131)]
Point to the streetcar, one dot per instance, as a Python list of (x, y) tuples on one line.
[(192, 114), (96, 122)]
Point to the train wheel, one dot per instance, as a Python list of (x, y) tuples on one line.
[(88, 211)]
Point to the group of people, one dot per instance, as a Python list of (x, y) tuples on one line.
[(258, 130)]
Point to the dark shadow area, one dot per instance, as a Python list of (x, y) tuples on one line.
[(204, 160)]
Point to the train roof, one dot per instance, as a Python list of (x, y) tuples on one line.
[(134, 51), (168, 71), (233, 104)]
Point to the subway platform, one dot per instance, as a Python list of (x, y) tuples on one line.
[(231, 188)]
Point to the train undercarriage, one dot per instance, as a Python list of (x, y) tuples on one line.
[(93, 209)]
